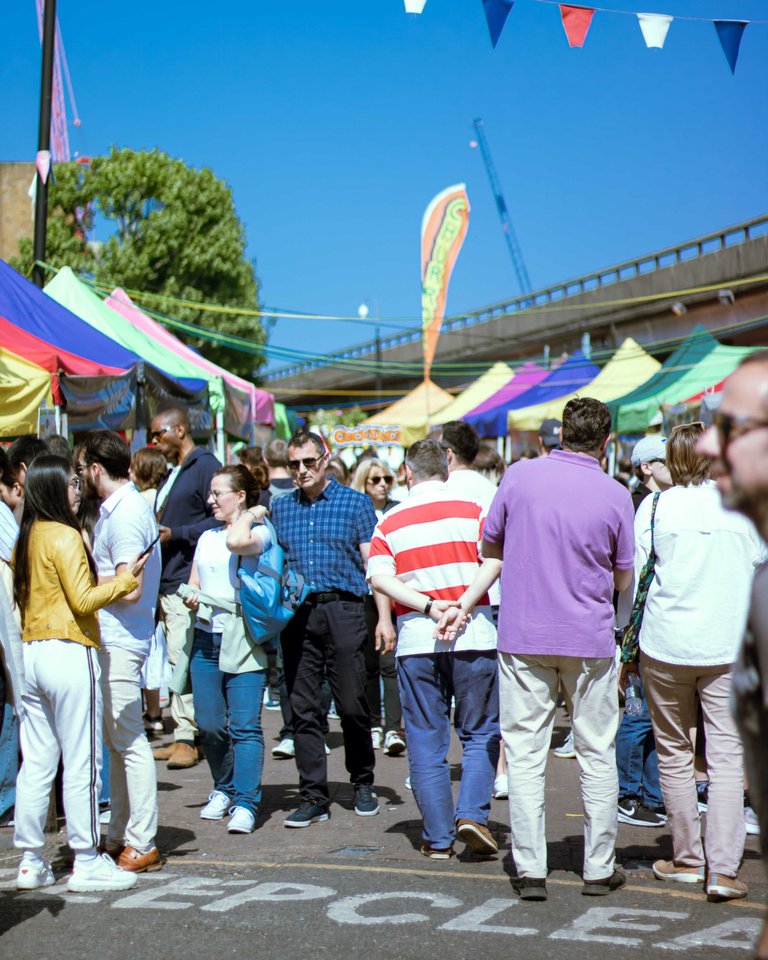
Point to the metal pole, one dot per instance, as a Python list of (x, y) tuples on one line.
[(379, 375), (44, 136)]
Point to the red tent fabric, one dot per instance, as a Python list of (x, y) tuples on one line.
[(50, 358)]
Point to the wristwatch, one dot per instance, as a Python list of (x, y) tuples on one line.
[(428, 607)]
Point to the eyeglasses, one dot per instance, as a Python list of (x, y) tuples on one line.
[(217, 494), (309, 463), (74, 482), (730, 427), (387, 480), (156, 434)]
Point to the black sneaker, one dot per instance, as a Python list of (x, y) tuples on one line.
[(530, 888), (366, 801), (601, 888), (307, 814), (632, 811)]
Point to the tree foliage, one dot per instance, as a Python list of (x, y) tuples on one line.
[(170, 230)]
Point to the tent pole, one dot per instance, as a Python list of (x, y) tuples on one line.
[(44, 138), (220, 437)]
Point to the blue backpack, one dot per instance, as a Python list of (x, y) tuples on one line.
[(270, 595)]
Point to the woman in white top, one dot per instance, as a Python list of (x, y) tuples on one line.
[(227, 667), (694, 619)]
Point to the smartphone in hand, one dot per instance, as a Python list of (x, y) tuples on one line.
[(149, 548)]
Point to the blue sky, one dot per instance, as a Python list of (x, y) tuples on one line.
[(336, 121)]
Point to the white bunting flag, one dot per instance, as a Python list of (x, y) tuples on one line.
[(655, 27), (415, 6)]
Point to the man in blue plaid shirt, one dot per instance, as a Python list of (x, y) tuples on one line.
[(326, 529)]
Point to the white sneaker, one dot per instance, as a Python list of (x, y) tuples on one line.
[(501, 787), (751, 822), (241, 820), (104, 874), (394, 744), (284, 750), (217, 806), (408, 783), (327, 750), (567, 751), (377, 735), (34, 874)]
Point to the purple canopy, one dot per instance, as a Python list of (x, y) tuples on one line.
[(526, 377)]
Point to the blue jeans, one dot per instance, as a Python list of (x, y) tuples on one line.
[(427, 683), (228, 716), (637, 760), (9, 758)]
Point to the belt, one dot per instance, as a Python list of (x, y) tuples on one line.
[(313, 599)]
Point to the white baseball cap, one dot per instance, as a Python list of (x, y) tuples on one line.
[(649, 448)]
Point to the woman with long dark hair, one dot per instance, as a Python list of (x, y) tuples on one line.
[(58, 596)]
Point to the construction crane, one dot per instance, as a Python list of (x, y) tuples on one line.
[(523, 280)]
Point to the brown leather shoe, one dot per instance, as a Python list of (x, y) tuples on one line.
[(200, 752), (477, 837), (183, 756), (163, 753), (136, 862), (113, 851)]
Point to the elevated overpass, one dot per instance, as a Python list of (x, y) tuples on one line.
[(719, 280)]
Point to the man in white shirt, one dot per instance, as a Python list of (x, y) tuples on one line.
[(424, 553), (126, 526)]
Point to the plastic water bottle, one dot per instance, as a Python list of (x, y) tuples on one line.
[(633, 700)]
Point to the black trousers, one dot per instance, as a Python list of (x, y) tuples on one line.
[(328, 639)]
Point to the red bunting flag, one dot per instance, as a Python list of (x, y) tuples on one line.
[(576, 22)]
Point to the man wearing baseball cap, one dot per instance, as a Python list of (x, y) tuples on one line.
[(549, 436), (649, 458)]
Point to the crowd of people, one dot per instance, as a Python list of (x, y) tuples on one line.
[(472, 596)]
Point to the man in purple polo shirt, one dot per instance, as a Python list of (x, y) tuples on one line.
[(561, 532)]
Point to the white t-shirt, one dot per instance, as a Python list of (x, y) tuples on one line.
[(217, 570), (471, 485), (125, 527), (697, 604)]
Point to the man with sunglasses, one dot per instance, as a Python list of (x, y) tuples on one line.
[(737, 445), (326, 529), (183, 513)]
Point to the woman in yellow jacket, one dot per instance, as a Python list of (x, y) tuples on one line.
[(58, 596)]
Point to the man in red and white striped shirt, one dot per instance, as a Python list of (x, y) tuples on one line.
[(424, 553)]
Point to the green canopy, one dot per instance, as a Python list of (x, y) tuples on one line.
[(73, 294), (698, 362)]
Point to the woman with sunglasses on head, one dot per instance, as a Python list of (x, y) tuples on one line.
[(227, 667), (693, 621), (58, 596), (375, 478)]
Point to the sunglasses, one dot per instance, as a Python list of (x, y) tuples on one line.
[(309, 462), (730, 427), (156, 434), (387, 480)]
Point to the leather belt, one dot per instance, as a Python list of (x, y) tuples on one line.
[(313, 599)]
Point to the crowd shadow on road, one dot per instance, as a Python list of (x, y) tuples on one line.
[(19, 907)]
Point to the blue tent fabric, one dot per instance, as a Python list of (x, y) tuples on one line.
[(22, 304), (574, 373)]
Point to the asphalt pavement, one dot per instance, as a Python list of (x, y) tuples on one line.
[(358, 886)]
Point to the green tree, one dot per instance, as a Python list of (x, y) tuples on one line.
[(170, 229)]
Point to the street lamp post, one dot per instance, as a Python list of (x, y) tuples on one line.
[(362, 312), (44, 140)]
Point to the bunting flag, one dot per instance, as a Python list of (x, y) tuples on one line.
[(442, 233), (655, 27), (43, 164), (415, 6), (576, 21), (496, 13), (730, 33)]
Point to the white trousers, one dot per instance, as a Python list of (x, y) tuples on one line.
[(62, 718), (528, 687), (179, 626), (132, 776)]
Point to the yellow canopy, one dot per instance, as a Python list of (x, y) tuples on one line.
[(414, 413), (627, 369), (24, 387), (491, 382)]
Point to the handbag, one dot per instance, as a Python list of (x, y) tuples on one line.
[(630, 644)]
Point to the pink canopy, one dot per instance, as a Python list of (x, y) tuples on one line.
[(262, 403)]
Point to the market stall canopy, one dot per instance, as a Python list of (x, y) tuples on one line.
[(698, 362), (629, 367), (414, 413), (285, 422), (563, 379), (66, 289), (24, 389), (245, 404), (483, 417), (498, 376)]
